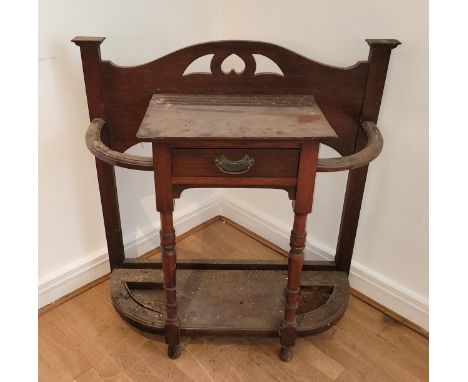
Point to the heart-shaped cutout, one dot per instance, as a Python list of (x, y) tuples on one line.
[(233, 64)]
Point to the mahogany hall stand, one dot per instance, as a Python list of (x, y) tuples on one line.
[(230, 129)]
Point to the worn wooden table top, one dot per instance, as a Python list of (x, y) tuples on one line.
[(176, 116)]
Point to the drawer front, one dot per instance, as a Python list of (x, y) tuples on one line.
[(261, 163)]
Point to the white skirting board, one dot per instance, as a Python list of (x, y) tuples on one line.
[(374, 285), (392, 295), (78, 274)]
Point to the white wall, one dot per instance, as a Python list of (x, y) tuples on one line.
[(392, 241), (71, 233)]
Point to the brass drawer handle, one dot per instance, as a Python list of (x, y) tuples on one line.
[(234, 166)]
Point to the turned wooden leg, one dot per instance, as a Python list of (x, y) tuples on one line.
[(165, 206), (295, 262), (302, 207), (172, 330)]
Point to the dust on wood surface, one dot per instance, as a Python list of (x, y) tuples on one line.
[(172, 116)]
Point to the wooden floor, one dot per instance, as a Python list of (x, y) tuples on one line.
[(84, 339)]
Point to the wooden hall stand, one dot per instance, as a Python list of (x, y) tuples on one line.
[(232, 129)]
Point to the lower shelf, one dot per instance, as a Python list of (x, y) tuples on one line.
[(229, 302)]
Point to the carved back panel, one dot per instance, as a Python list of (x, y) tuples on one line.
[(128, 90)]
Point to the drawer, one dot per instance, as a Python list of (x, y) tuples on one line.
[(261, 163)]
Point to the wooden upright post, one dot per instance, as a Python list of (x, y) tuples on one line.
[(379, 56), (91, 60)]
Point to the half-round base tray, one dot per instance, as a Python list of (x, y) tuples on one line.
[(246, 302)]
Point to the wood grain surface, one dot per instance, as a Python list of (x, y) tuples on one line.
[(222, 117), (84, 339)]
